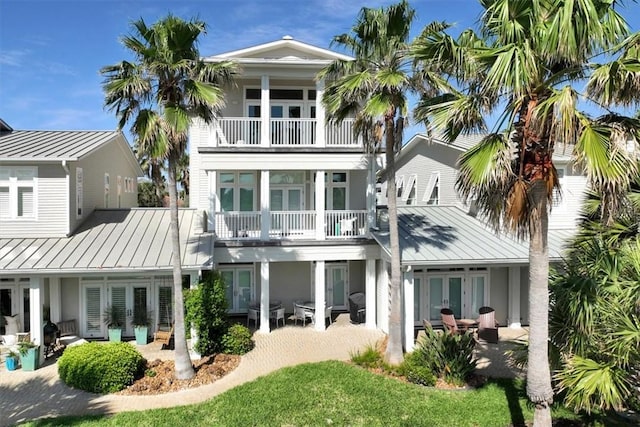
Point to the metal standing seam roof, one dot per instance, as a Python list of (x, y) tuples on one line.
[(447, 235), (43, 145), (112, 241)]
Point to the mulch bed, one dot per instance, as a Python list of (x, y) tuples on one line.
[(160, 377)]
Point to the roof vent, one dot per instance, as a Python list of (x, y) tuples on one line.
[(287, 38)]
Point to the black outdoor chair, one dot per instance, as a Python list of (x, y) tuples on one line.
[(357, 307)]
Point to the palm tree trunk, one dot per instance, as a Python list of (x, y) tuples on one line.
[(539, 388), (183, 367), (393, 353)]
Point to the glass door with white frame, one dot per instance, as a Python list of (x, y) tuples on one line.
[(91, 325), (336, 286), (129, 298), (445, 291), (238, 288)]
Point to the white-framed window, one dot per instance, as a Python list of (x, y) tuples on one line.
[(237, 191), (337, 194), (119, 181), (399, 185), (106, 190), (79, 192), (18, 189), (409, 192), (432, 194)]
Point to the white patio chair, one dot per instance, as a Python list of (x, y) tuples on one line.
[(327, 314), (277, 315), (253, 315)]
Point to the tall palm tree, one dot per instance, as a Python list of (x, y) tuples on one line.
[(529, 63), (159, 93), (373, 88)]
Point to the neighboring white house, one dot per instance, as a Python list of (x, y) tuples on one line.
[(450, 257), (71, 238)]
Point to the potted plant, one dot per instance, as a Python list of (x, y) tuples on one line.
[(141, 319), (113, 317), (11, 360), (29, 355)]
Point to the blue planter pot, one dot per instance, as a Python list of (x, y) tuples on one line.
[(11, 363), (141, 335), (31, 360), (115, 334)]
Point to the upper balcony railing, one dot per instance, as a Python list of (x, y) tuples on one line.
[(291, 225), (247, 131)]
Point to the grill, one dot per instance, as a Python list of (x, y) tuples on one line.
[(49, 337)]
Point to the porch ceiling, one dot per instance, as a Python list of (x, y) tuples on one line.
[(113, 241), (448, 236)]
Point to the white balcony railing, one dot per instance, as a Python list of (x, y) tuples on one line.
[(291, 225), (231, 131)]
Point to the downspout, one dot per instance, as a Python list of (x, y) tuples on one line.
[(65, 166)]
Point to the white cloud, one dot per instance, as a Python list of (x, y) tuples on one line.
[(13, 58)]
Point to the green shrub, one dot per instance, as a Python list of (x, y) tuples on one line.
[(369, 358), (237, 340), (449, 356), (100, 367), (416, 369), (206, 310)]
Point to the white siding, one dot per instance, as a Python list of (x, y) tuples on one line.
[(50, 220), (565, 211)]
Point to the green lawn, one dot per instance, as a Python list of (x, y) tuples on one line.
[(339, 394)]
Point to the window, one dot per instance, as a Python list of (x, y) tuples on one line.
[(337, 190), (79, 192), (432, 195), (17, 192), (237, 191), (106, 190), (409, 193), (119, 183), (399, 185)]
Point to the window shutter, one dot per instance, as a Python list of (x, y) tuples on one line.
[(165, 305), (93, 326)]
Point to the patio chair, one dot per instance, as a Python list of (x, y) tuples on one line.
[(487, 325), (300, 313), (254, 315), (327, 314), (276, 315), (449, 321)]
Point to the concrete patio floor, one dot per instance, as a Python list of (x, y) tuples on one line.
[(31, 395)]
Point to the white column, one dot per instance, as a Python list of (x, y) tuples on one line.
[(36, 296), (194, 278), (371, 193), (320, 211), (320, 296), (213, 200), (264, 297), (370, 294), (265, 205), (320, 115), (408, 310), (55, 300), (265, 112), (514, 297)]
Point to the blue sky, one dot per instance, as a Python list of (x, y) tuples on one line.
[(51, 50)]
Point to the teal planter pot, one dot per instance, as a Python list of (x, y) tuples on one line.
[(115, 335), (141, 335), (30, 361), (11, 363)]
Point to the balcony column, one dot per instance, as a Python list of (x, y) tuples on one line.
[(265, 112), (264, 297), (514, 298), (36, 298), (370, 294), (213, 200), (320, 296), (320, 211), (371, 193), (265, 207), (320, 115), (408, 294)]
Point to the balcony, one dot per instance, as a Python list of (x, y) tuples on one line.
[(247, 131), (291, 225)]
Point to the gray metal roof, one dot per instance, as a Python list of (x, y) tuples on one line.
[(112, 241), (448, 236), (46, 145)]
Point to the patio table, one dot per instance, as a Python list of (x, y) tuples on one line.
[(466, 324)]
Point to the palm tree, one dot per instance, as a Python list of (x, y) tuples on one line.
[(372, 88), (159, 94), (529, 62)]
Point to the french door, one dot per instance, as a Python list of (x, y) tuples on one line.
[(336, 286), (286, 132), (463, 292), (238, 287), (130, 298)]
